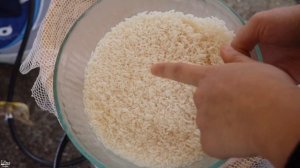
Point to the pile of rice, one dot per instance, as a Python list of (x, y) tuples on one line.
[(145, 119)]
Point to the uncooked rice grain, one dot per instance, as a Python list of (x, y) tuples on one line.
[(145, 119)]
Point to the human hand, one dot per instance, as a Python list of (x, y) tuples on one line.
[(277, 32), (244, 108)]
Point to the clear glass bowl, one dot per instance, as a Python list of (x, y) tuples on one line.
[(76, 51)]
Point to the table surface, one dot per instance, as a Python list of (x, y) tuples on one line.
[(43, 137)]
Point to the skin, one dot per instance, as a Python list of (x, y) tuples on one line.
[(247, 108), (277, 33)]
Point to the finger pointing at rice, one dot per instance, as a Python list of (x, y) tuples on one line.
[(192, 74), (186, 73)]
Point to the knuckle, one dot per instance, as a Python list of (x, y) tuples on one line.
[(261, 22), (177, 68), (259, 18), (176, 71)]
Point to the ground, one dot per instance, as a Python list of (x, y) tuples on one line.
[(43, 137)]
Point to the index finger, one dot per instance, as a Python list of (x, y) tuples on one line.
[(181, 72)]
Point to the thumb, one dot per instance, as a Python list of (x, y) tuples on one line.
[(230, 55)]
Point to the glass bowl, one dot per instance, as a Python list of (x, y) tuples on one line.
[(76, 51)]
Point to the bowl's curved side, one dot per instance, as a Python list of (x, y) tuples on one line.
[(60, 115)]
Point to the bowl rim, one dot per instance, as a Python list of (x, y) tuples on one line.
[(57, 105)]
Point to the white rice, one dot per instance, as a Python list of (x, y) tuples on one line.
[(145, 119)]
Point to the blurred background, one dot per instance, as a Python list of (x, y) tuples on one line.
[(43, 137)]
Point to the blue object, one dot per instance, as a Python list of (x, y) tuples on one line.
[(12, 27)]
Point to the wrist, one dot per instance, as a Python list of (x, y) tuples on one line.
[(283, 136)]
